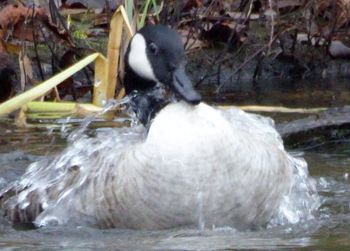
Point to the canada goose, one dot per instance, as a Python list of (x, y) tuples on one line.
[(195, 163)]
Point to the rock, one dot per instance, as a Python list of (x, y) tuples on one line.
[(8, 80), (332, 124)]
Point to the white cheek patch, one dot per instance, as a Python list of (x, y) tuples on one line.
[(138, 60)]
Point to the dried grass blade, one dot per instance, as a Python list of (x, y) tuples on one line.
[(41, 89)]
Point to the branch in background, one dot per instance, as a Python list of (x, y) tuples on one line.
[(241, 66), (37, 58)]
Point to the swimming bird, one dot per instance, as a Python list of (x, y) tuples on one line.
[(194, 164)]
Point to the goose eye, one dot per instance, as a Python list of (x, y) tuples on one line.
[(153, 48)]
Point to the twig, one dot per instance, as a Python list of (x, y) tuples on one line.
[(53, 57), (204, 78), (257, 70), (37, 58), (55, 13), (272, 31), (222, 60), (280, 109), (242, 65), (254, 55), (250, 10), (218, 77), (189, 34), (243, 4), (108, 13)]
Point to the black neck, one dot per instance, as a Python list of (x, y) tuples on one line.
[(133, 82), (147, 98)]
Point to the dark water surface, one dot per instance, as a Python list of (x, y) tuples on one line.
[(292, 93), (329, 164)]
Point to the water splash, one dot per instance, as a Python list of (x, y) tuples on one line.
[(110, 105), (55, 172), (71, 174), (303, 201), (201, 221)]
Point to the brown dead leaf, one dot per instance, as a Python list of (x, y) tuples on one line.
[(23, 31), (12, 48), (11, 15), (337, 10), (101, 20), (190, 4), (18, 18), (2, 45)]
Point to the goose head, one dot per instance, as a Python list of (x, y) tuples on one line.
[(155, 71)]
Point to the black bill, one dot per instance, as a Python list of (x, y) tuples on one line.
[(182, 85)]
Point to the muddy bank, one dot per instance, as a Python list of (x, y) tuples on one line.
[(205, 67)]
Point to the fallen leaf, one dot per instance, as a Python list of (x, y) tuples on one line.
[(328, 9), (11, 15), (190, 4)]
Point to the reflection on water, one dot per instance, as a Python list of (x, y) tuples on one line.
[(329, 163), (292, 93)]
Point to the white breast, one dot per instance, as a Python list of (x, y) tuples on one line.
[(198, 167)]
